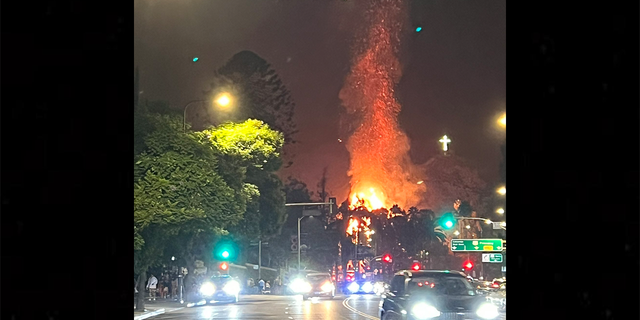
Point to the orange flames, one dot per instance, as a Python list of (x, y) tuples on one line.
[(359, 230), (379, 149), (370, 201)]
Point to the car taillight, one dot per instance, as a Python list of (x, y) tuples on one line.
[(495, 285)]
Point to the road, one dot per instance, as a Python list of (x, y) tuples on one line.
[(284, 307)]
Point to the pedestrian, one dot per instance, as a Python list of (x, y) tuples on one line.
[(151, 285), (267, 287), (166, 284), (261, 285), (174, 287)]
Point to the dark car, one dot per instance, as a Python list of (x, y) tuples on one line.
[(217, 289), (434, 294)]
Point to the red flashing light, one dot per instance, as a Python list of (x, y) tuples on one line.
[(495, 285), (387, 258), (224, 266), (415, 266), (468, 265)]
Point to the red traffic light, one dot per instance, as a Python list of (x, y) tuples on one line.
[(224, 266), (468, 265), (415, 266), (387, 258)]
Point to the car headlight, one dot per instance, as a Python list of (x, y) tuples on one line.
[(300, 286), (353, 287), (423, 310), (327, 287), (378, 288), (207, 289), (367, 287), (231, 288), (487, 311)]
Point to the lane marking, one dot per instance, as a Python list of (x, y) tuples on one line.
[(345, 303), (149, 314)]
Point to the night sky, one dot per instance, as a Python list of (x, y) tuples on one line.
[(454, 79)]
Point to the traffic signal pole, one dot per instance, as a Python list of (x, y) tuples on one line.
[(330, 203)]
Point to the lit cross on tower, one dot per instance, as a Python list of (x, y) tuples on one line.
[(445, 142)]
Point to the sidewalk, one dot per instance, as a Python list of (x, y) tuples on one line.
[(154, 308)]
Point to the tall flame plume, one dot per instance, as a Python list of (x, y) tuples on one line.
[(381, 172)]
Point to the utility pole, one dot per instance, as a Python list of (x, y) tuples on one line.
[(260, 259)]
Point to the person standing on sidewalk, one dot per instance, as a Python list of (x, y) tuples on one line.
[(151, 285), (261, 285)]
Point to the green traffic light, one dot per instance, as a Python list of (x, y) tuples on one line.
[(225, 254), (418, 29), (448, 220), (195, 59)]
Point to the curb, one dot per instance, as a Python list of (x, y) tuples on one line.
[(149, 314)]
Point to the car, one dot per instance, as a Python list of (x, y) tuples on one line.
[(361, 286), (216, 289), (314, 285), (434, 294), (499, 283)]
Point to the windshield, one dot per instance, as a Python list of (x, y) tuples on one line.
[(452, 286), (317, 278)]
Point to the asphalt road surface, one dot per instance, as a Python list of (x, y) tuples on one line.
[(356, 307), (284, 307)]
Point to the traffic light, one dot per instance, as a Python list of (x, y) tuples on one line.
[(225, 251), (387, 258), (448, 221), (467, 265), (415, 266), (224, 266)]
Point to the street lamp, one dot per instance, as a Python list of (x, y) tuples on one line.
[(502, 191), (310, 213), (223, 100), (305, 213), (503, 120), (500, 211)]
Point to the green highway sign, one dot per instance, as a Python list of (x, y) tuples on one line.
[(484, 245), (492, 257)]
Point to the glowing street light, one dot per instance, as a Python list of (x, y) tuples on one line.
[(468, 226), (223, 100), (457, 233), (503, 120), (488, 221), (500, 211), (502, 191)]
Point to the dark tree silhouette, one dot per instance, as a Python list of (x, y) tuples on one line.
[(258, 92)]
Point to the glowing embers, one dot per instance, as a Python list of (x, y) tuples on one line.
[(381, 171)]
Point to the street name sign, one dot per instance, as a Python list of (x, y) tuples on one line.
[(483, 245), (492, 257)]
